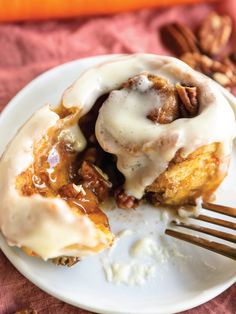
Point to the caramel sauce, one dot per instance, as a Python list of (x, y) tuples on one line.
[(55, 167), (52, 167)]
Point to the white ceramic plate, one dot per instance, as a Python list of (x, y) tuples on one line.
[(185, 276)]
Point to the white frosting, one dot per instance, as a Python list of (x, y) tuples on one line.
[(73, 136), (128, 273), (149, 247), (46, 226), (144, 148)]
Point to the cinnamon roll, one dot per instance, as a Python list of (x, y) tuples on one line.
[(138, 128)]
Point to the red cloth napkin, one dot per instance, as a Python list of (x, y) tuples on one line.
[(28, 49)]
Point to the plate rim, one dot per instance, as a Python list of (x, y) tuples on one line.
[(209, 293), (201, 298)]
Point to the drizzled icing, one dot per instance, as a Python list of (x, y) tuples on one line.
[(144, 148), (47, 225)]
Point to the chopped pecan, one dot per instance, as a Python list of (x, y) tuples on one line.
[(65, 260), (72, 191), (123, 200), (156, 199), (179, 38), (26, 311), (94, 179), (214, 33), (189, 101)]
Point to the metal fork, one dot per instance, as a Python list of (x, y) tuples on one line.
[(216, 247)]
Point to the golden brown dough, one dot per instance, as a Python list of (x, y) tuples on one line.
[(199, 174)]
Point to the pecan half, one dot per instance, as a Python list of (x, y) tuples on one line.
[(214, 33), (95, 180), (179, 38), (65, 261), (189, 102), (123, 200)]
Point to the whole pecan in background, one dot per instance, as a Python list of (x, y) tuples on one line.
[(179, 38), (214, 33)]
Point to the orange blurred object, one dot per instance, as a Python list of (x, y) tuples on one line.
[(20, 10)]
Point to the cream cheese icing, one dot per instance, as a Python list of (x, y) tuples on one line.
[(47, 225), (122, 124)]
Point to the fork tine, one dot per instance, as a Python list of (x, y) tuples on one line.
[(216, 233), (216, 247), (228, 211), (216, 221)]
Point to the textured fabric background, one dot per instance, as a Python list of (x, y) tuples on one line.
[(28, 49)]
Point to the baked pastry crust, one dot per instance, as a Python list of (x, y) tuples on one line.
[(187, 178)]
